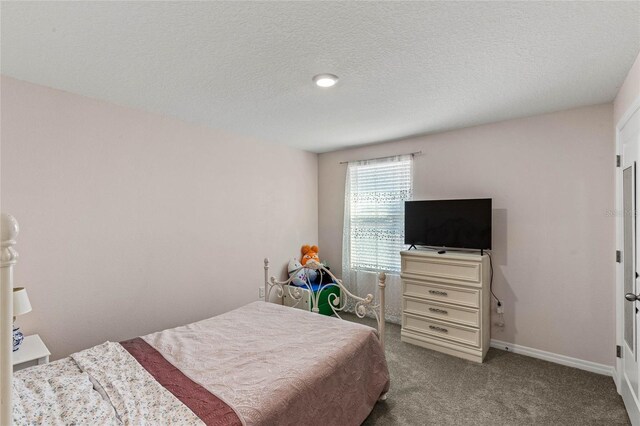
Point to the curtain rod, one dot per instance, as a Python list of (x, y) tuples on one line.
[(382, 158)]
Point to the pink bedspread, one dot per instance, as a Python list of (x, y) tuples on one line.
[(276, 365)]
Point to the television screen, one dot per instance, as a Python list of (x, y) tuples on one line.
[(448, 223)]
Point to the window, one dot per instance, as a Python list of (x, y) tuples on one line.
[(375, 192)]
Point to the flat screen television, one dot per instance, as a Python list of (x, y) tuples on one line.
[(464, 224)]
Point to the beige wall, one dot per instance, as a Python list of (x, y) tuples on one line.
[(551, 178), (133, 222), (126, 215), (628, 93)]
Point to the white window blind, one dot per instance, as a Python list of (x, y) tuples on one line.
[(375, 192)]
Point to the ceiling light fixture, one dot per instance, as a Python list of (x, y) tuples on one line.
[(325, 80)]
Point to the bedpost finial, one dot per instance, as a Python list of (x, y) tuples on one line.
[(266, 261), (8, 229), (382, 277), (8, 233)]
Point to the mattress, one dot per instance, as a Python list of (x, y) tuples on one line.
[(261, 364)]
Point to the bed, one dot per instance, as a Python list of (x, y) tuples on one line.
[(260, 364)]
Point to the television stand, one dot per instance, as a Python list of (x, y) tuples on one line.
[(446, 302)]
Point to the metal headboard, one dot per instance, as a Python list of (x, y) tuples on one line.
[(362, 305)]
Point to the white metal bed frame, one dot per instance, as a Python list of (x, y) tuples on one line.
[(8, 258), (361, 305)]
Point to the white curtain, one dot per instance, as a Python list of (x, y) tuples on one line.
[(373, 234)]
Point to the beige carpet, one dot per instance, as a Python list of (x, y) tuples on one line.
[(430, 388)]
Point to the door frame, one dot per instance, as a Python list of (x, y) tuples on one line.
[(619, 293)]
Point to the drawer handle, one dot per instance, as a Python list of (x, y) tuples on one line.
[(440, 329), (438, 292), (438, 311)]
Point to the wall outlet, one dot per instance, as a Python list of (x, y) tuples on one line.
[(261, 292), (500, 308)]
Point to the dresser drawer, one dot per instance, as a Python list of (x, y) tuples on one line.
[(442, 330), (447, 269), (457, 314), (441, 293)]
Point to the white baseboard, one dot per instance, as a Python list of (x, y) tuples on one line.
[(594, 367)]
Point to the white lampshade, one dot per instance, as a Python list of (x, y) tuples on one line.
[(21, 304)]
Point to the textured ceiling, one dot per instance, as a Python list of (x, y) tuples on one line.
[(404, 68)]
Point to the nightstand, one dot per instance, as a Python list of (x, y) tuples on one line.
[(32, 352)]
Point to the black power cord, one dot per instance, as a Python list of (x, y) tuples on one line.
[(491, 280)]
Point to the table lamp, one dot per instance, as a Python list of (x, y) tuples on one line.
[(21, 306)]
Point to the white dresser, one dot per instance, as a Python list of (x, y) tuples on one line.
[(446, 302)]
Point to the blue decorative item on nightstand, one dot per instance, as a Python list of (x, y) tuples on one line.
[(18, 337), (21, 306)]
